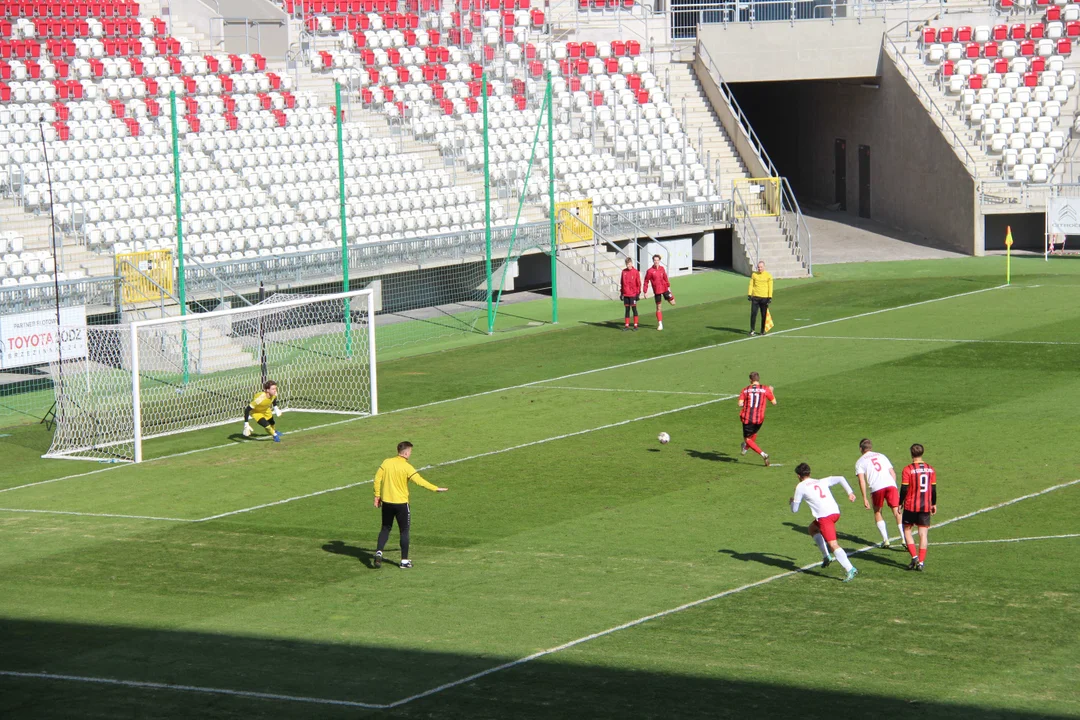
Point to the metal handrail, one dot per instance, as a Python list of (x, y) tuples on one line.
[(742, 217), (210, 271), (898, 59), (788, 201)]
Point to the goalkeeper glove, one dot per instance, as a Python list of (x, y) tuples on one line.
[(277, 411), (247, 429)]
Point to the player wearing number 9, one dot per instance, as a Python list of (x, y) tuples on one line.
[(918, 495)]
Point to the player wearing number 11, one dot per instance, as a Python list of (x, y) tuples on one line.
[(818, 495)]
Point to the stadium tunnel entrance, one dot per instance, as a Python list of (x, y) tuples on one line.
[(867, 147)]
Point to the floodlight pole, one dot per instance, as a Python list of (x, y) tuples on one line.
[(550, 98)]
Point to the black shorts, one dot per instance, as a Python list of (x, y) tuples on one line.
[(629, 300), (665, 295), (749, 429), (920, 519), (266, 423)]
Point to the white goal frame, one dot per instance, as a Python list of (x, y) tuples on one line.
[(137, 329)]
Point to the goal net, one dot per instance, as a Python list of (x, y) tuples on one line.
[(161, 377)]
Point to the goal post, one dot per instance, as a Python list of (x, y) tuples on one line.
[(166, 376)]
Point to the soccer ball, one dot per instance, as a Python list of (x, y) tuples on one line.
[(664, 438)]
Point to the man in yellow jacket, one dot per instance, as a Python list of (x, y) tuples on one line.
[(392, 495), (759, 295)]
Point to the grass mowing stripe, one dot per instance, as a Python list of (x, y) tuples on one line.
[(626, 390), (540, 382), (693, 604), (191, 688), (933, 340), (1007, 540), (498, 668), (90, 514), (543, 441)]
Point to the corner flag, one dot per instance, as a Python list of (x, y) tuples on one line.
[(768, 320)]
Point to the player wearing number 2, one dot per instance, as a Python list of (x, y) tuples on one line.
[(875, 469), (752, 401), (918, 494), (818, 495)]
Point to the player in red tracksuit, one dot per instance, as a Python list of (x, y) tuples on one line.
[(657, 277), (630, 289)]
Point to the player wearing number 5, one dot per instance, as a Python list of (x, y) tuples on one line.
[(818, 495), (263, 408), (875, 469), (918, 494)]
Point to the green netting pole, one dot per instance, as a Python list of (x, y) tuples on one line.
[(551, 200), (181, 279), (341, 212), (487, 207)]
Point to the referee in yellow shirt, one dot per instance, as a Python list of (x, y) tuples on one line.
[(759, 295), (392, 495)]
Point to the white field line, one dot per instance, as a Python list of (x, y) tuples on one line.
[(541, 382), (1007, 540), (90, 514), (932, 340), (504, 666), (489, 453), (695, 603), (190, 688)]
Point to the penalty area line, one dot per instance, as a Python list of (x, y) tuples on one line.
[(90, 514), (489, 671), (1008, 540)]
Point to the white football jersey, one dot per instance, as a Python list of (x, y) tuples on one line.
[(875, 467), (818, 495)]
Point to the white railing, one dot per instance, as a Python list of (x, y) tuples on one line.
[(1024, 196)]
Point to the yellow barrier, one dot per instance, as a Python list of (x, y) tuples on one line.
[(574, 221), (153, 266), (758, 197)]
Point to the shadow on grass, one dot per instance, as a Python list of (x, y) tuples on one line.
[(338, 547), (846, 537), (728, 329), (608, 324), (325, 680), (711, 455), (783, 562)]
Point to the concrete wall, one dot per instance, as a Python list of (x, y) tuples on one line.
[(217, 19), (917, 182), (807, 50)]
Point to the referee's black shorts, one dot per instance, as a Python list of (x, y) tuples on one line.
[(398, 512), (919, 519)]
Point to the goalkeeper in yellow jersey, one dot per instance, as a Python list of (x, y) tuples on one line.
[(263, 408)]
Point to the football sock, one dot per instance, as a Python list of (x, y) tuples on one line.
[(841, 557), (821, 545), (659, 314), (911, 549), (634, 309), (922, 554), (626, 321), (753, 445), (901, 532), (883, 531)]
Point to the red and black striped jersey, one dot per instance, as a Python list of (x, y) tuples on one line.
[(919, 479), (752, 401)]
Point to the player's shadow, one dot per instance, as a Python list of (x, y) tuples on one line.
[(846, 537), (883, 557), (338, 547), (608, 324), (771, 559), (737, 331), (713, 455)]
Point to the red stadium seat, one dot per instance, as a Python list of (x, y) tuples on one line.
[(1072, 29), (1036, 32), (1064, 46), (991, 50), (1038, 64), (945, 35), (963, 34), (972, 50), (1027, 48), (1018, 31), (1031, 79), (1001, 66), (975, 82)]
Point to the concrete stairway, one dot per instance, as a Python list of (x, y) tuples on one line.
[(773, 246), (715, 147), (600, 267), (35, 232)]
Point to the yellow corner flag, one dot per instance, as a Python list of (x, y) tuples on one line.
[(768, 320), (1008, 254)]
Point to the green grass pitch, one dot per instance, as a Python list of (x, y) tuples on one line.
[(232, 579)]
